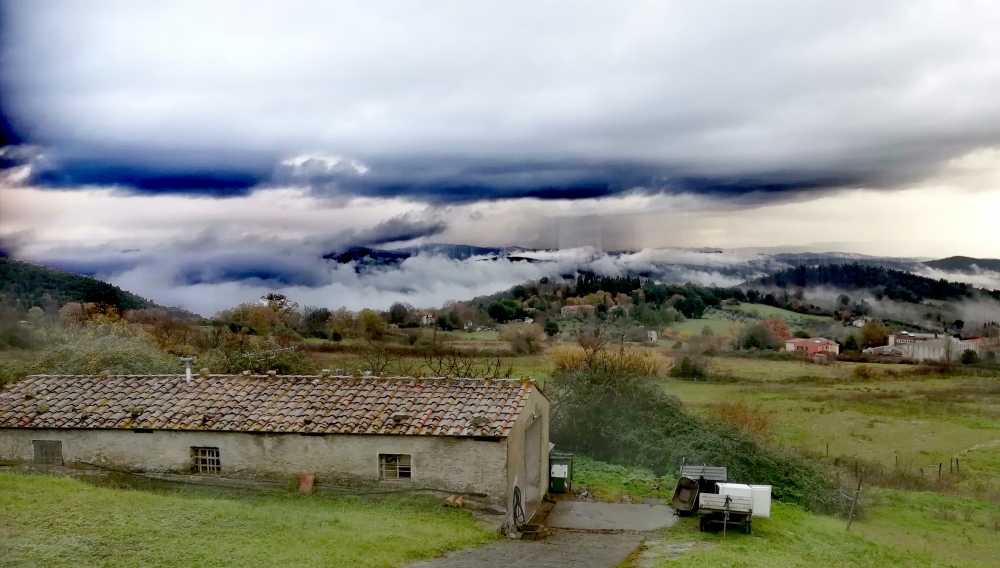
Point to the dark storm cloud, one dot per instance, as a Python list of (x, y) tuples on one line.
[(454, 102), (208, 258)]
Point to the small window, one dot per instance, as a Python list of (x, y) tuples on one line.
[(206, 460), (392, 467), (48, 452)]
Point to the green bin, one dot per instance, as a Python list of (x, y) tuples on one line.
[(560, 472)]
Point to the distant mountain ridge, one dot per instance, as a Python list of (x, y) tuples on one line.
[(884, 282), (964, 264), (29, 283)]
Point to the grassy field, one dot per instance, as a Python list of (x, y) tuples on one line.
[(902, 528), (53, 521), (695, 326), (891, 417), (792, 537), (763, 311)]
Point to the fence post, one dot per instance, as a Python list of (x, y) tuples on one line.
[(939, 470), (850, 516)]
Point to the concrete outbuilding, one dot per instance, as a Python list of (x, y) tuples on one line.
[(473, 436)]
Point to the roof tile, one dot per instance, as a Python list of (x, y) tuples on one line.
[(241, 403)]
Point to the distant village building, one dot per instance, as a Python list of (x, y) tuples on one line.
[(651, 336), (426, 318), (943, 348), (906, 337), (813, 346), (473, 436), (861, 321), (586, 310)]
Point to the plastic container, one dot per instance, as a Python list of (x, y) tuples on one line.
[(761, 501)]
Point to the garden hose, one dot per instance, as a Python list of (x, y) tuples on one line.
[(518, 510)]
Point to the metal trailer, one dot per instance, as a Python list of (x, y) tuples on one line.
[(708, 477), (727, 510)]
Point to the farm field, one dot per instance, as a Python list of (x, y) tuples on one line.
[(695, 326), (890, 418), (55, 521), (764, 311)]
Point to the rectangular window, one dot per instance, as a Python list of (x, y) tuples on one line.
[(48, 452), (206, 460), (393, 467)]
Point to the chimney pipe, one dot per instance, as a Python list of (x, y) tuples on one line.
[(187, 366)]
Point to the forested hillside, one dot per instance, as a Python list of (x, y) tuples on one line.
[(884, 282), (34, 285)]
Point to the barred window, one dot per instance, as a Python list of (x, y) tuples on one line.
[(206, 460), (393, 467), (48, 452)]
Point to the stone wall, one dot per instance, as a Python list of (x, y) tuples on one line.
[(463, 465)]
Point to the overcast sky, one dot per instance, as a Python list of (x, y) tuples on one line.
[(258, 136)]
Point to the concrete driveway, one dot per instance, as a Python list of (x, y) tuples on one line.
[(585, 535), (580, 550), (579, 515)]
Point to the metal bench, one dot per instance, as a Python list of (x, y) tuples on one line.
[(710, 473)]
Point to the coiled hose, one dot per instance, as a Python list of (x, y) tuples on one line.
[(518, 510)]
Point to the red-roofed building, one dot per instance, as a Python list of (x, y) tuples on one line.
[(812, 346)]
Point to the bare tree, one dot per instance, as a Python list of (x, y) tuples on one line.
[(377, 356), (457, 363)]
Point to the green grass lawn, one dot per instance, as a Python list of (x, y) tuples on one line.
[(610, 482), (55, 521), (792, 537), (695, 326)]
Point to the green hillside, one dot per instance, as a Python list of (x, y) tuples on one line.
[(29, 283)]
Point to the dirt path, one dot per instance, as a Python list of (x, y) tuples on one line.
[(562, 548)]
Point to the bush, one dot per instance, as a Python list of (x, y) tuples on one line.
[(689, 369), (627, 419), (970, 357), (757, 337), (551, 328), (576, 358), (90, 353), (237, 353), (524, 337), (751, 420)]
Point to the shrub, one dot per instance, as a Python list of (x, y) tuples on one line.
[(576, 358), (757, 337), (524, 337), (551, 328), (779, 329), (864, 373), (689, 369), (237, 353), (970, 357), (751, 420), (91, 353)]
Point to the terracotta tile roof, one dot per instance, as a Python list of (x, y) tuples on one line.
[(239, 403)]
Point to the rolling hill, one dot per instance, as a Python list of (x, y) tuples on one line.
[(29, 284)]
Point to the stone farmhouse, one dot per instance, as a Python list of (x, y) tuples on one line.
[(472, 436)]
